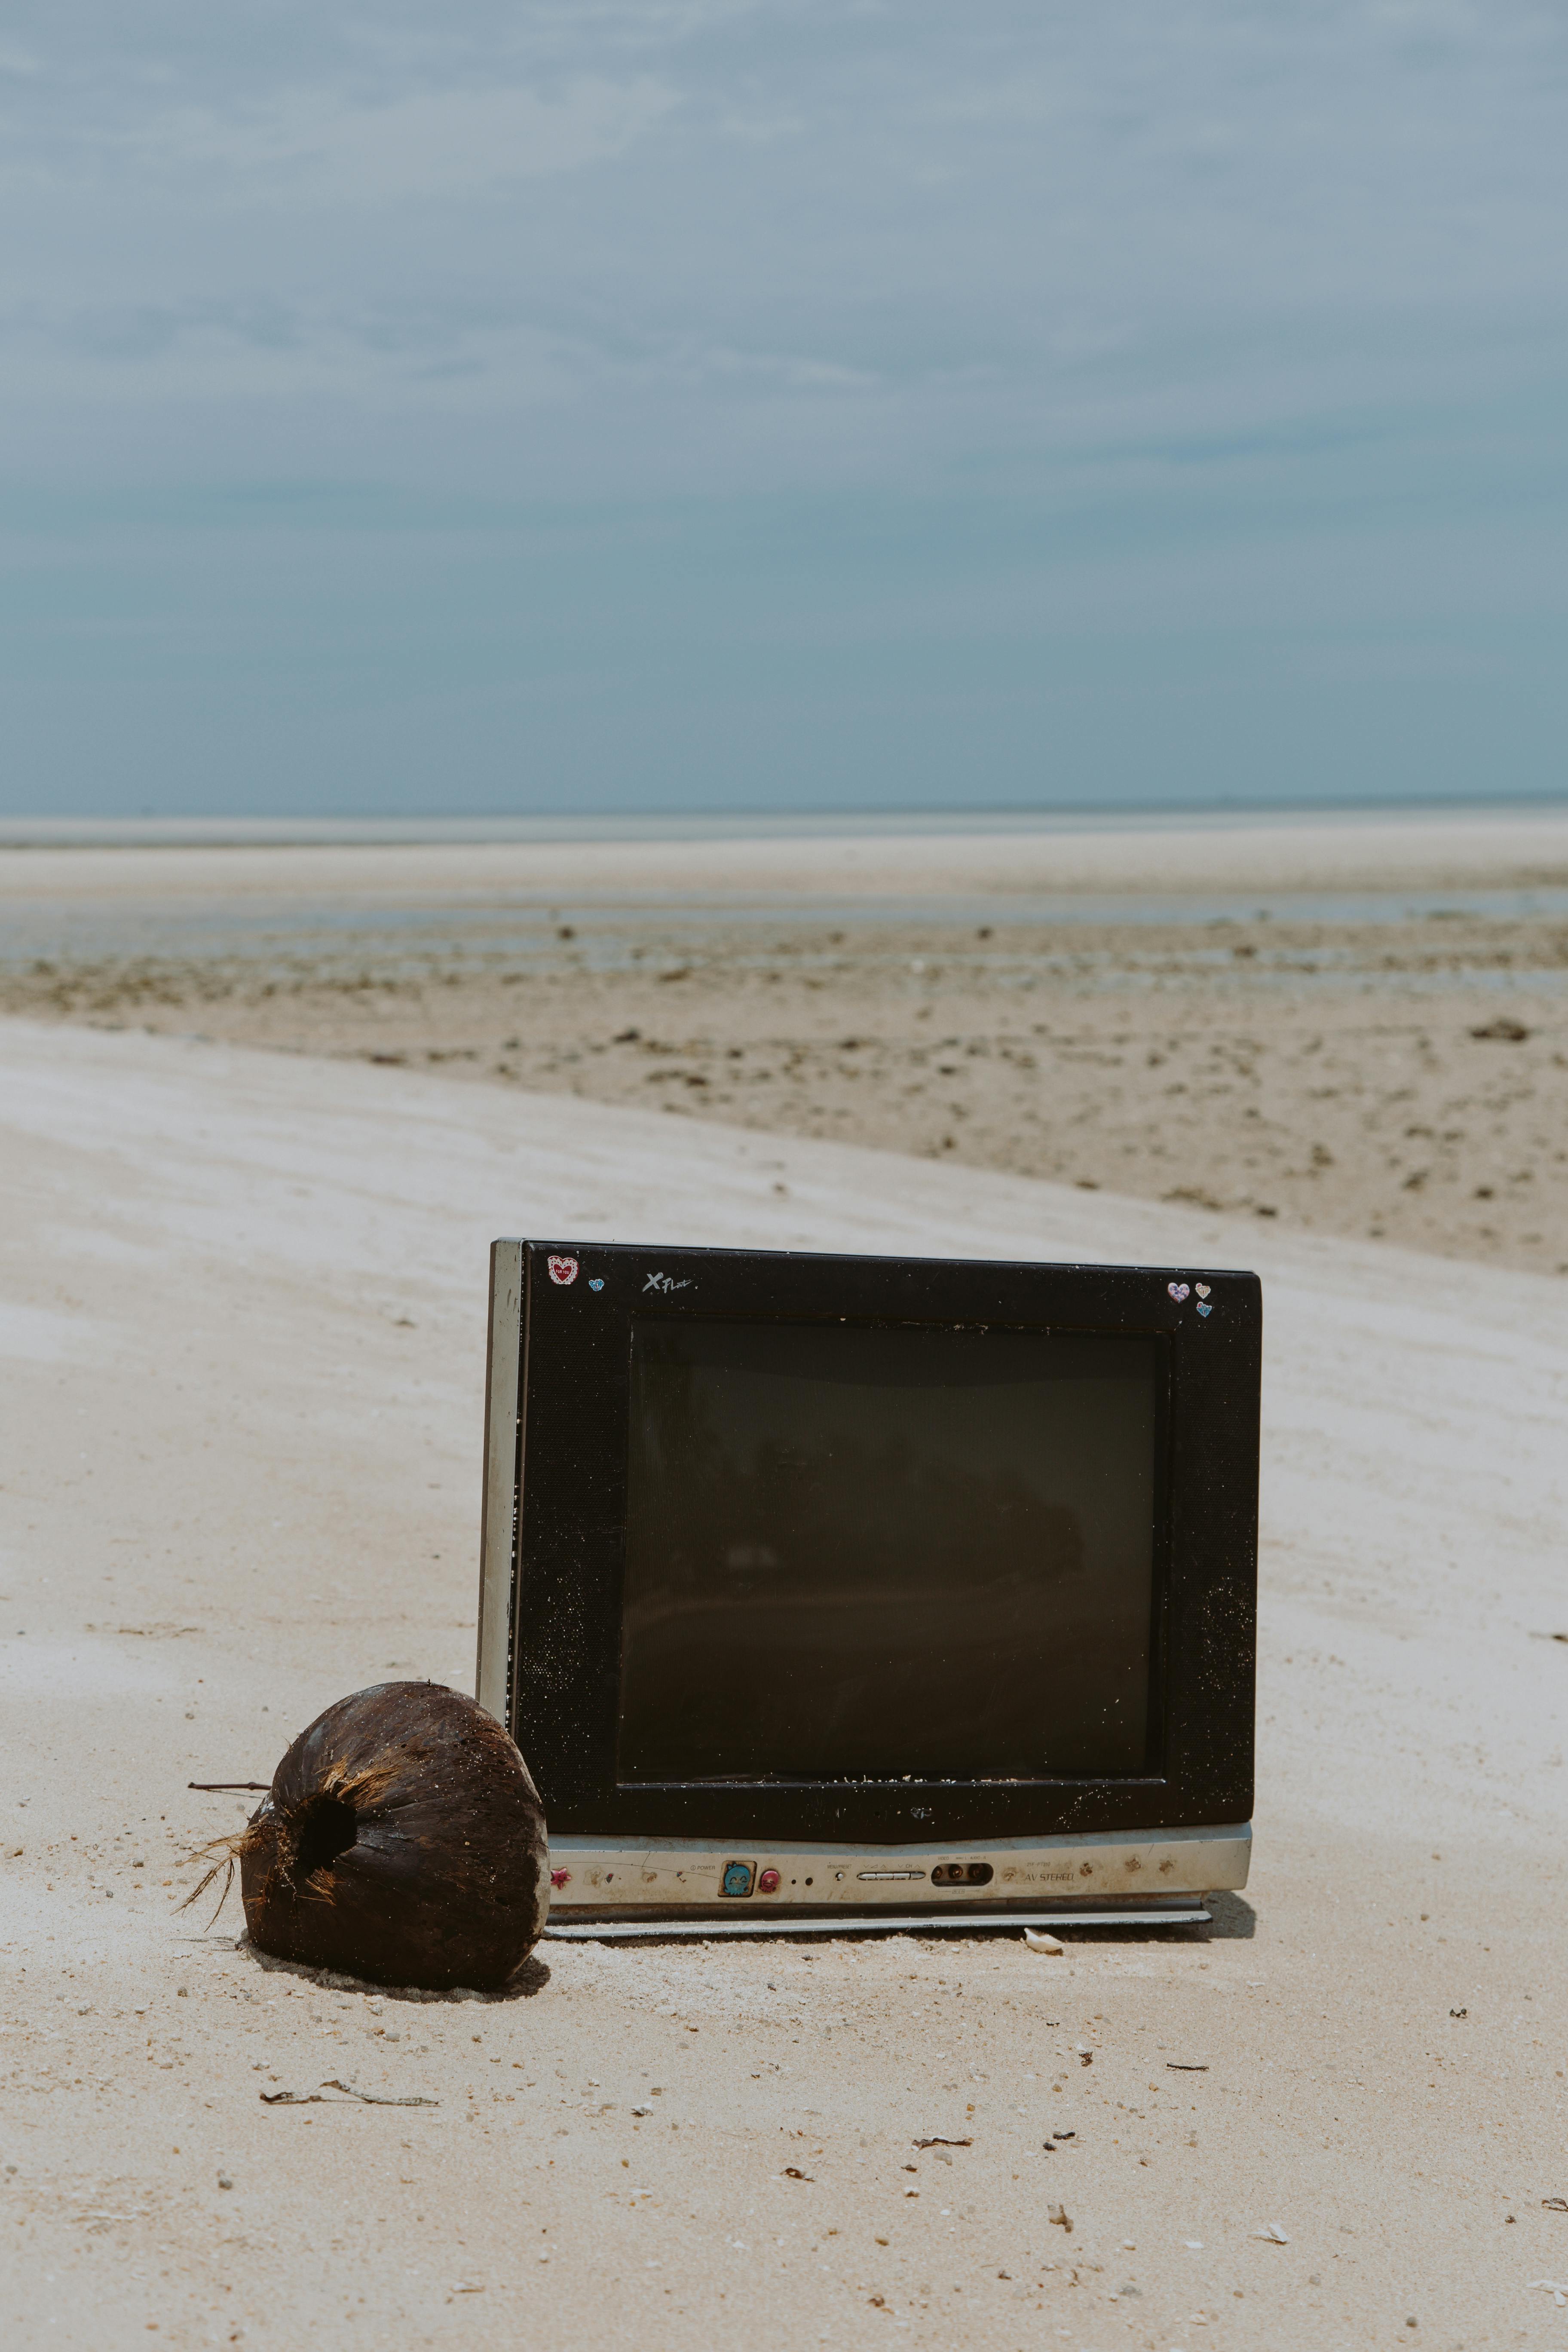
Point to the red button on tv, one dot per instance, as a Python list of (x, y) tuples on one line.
[(768, 1882)]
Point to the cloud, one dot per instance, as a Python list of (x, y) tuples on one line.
[(311, 146), (1111, 310)]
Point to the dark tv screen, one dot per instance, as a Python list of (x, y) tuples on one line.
[(888, 1551)]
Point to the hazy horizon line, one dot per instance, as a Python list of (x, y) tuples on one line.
[(324, 828)]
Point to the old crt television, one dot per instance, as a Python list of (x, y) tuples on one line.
[(827, 1592)]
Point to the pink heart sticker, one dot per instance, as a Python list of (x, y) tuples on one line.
[(1178, 1291), (1202, 1289)]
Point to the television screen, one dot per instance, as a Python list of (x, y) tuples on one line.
[(890, 1550)]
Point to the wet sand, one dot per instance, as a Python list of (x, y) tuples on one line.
[(1353, 1028)]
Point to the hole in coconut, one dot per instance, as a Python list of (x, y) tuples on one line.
[(328, 1827)]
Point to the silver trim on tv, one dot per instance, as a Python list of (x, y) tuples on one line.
[(674, 1875), (498, 1516), (1179, 1912)]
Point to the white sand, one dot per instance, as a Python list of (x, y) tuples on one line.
[(1466, 850), (242, 1331)]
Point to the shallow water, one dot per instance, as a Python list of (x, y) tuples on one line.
[(316, 930)]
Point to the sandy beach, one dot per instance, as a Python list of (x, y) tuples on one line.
[(242, 1354), (1347, 1026)]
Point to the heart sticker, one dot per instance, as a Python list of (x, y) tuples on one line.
[(1178, 1291), (1204, 1310), (562, 1269), (1202, 1289), (596, 1282)]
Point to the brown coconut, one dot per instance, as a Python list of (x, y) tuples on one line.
[(401, 1841)]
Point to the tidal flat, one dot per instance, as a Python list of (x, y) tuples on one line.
[(1362, 1062)]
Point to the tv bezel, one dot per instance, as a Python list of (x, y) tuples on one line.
[(557, 1451)]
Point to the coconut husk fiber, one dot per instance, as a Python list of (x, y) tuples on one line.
[(401, 1841)]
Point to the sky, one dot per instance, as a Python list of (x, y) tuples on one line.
[(757, 404)]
